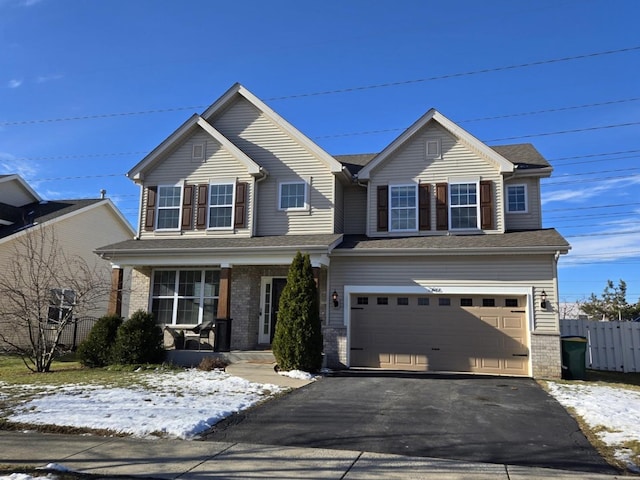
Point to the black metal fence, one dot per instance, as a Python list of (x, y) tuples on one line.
[(76, 331)]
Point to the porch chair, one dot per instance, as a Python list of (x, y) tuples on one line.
[(202, 331)]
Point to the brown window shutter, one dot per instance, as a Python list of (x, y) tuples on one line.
[(383, 208), (241, 205), (424, 207), (486, 205), (150, 215), (203, 201), (187, 207), (442, 207)]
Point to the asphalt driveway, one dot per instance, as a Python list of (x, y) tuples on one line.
[(473, 418)]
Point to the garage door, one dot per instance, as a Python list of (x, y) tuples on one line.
[(478, 334)]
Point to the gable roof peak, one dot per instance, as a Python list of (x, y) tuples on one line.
[(238, 89), (433, 115)]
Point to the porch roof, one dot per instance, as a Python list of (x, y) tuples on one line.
[(219, 250), (530, 241)]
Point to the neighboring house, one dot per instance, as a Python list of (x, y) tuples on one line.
[(78, 226), (429, 255)]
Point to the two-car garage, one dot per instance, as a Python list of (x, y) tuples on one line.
[(440, 333)]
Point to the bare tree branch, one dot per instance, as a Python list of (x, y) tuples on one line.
[(42, 291)]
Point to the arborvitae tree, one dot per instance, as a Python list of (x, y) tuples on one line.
[(95, 351), (297, 344), (139, 340)]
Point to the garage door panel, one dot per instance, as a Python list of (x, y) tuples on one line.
[(440, 338)]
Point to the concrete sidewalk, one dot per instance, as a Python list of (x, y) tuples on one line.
[(173, 459)]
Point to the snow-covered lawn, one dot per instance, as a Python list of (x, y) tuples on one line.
[(612, 412), (178, 404)]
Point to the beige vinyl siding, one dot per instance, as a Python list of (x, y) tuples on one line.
[(286, 161), (219, 165), (533, 218), (339, 208), (410, 165), (13, 193), (355, 210), (79, 235), (459, 271)]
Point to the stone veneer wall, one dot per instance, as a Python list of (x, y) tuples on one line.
[(140, 287), (246, 302), (335, 347), (546, 355)]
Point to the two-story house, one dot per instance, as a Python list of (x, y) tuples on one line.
[(429, 255)]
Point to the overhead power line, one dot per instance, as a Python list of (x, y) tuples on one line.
[(460, 74), (369, 87)]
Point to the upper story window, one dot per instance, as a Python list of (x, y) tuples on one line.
[(221, 205), (403, 207), (463, 205), (517, 198), (293, 196), (169, 200)]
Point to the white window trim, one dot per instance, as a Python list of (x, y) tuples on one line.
[(233, 204), (415, 190), (179, 207), (526, 199), (438, 143), (175, 297), (306, 196), (463, 181)]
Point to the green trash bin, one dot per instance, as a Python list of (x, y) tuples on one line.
[(574, 350)]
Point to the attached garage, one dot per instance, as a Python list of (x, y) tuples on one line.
[(440, 333)]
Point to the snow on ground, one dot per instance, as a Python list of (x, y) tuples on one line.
[(299, 374), (616, 409), (175, 404)]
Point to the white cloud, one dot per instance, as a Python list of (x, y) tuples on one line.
[(587, 191), (14, 83), (48, 78), (27, 169)]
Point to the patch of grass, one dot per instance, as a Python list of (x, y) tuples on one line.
[(634, 448), (627, 380)]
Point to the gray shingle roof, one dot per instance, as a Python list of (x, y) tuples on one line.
[(40, 212), (531, 239), (218, 243), (524, 155)]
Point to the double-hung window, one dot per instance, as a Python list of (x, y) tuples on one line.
[(169, 199), (293, 196), (61, 303), (463, 205), (186, 297), (403, 207), (517, 198), (221, 205)]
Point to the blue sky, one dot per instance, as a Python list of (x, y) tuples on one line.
[(87, 88)]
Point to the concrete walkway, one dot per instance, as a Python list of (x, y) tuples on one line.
[(173, 459)]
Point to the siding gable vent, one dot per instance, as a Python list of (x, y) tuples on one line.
[(433, 148), (197, 152)]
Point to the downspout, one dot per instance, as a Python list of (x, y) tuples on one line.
[(254, 222)]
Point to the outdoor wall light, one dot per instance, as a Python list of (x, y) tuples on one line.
[(334, 297), (543, 303)]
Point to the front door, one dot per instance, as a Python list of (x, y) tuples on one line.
[(278, 285)]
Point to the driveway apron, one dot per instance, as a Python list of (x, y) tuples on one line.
[(471, 418)]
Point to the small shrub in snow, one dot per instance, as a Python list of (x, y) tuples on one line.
[(95, 351), (212, 363), (139, 341)]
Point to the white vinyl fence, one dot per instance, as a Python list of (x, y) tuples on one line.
[(613, 346)]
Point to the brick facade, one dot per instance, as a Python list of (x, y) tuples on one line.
[(546, 355)]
